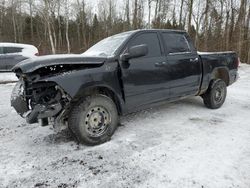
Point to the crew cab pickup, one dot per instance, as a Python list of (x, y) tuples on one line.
[(121, 74)]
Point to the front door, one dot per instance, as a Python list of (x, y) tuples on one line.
[(145, 77)]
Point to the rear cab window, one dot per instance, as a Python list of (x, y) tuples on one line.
[(151, 40), (176, 43)]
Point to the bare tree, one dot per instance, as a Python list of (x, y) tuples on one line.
[(30, 2), (197, 17), (190, 10), (48, 24), (248, 35), (232, 21), (72, 25), (181, 11), (127, 14), (67, 25), (60, 41), (2, 12), (149, 13), (239, 27), (206, 24), (135, 15), (13, 12)]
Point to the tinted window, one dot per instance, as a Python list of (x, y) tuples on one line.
[(176, 43), (1, 50), (8, 50), (151, 40)]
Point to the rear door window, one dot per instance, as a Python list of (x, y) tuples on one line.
[(176, 43), (151, 40), (11, 50)]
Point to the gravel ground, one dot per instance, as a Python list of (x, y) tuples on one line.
[(182, 144)]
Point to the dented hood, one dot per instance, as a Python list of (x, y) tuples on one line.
[(36, 63)]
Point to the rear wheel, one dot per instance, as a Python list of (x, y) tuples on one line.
[(216, 94), (94, 120)]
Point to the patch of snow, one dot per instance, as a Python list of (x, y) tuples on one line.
[(7, 77), (181, 144)]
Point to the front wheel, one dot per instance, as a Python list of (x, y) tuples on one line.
[(94, 120), (216, 94)]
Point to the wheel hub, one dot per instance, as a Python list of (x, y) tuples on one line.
[(97, 121), (219, 93)]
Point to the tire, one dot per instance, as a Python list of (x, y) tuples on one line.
[(215, 95), (94, 119)]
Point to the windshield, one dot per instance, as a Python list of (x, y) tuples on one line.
[(107, 46)]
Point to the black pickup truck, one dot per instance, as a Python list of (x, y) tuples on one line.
[(123, 73)]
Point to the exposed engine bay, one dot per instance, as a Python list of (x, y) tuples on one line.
[(38, 100), (47, 85)]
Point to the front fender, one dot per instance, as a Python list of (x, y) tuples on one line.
[(75, 82)]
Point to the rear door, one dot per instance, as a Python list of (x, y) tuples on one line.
[(144, 79), (183, 63)]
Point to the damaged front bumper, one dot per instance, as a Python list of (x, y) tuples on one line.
[(22, 104)]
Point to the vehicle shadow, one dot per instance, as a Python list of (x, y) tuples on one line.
[(63, 136), (193, 102), (66, 136)]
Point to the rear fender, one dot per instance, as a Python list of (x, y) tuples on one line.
[(221, 73), (216, 73)]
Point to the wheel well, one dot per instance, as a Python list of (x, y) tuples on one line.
[(221, 74), (100, 90)]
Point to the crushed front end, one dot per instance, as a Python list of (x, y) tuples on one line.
[(39, 101)]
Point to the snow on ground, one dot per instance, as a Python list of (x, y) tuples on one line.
[(182, 144), (6, 77)]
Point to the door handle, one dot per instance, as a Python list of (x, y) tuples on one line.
[(160, 64), (194, 60)]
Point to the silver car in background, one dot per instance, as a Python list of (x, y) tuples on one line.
[(13, 53)]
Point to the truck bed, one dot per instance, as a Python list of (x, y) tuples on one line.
[(215, 63)]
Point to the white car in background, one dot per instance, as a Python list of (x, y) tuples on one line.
[(13, 53)]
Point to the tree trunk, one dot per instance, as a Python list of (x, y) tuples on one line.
[(31, 21), (227, 31), (190, 10), (2, 17), (13, 11), (47, 19), (239, 27), (135, 15), (180, 18), (156, 10), (248, 36), (60, 41), (206, 24), (67, 26), (51, 39), (231, 38), (127, 15), (149, 14)]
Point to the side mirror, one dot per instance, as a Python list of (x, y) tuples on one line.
[(135, 51)]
